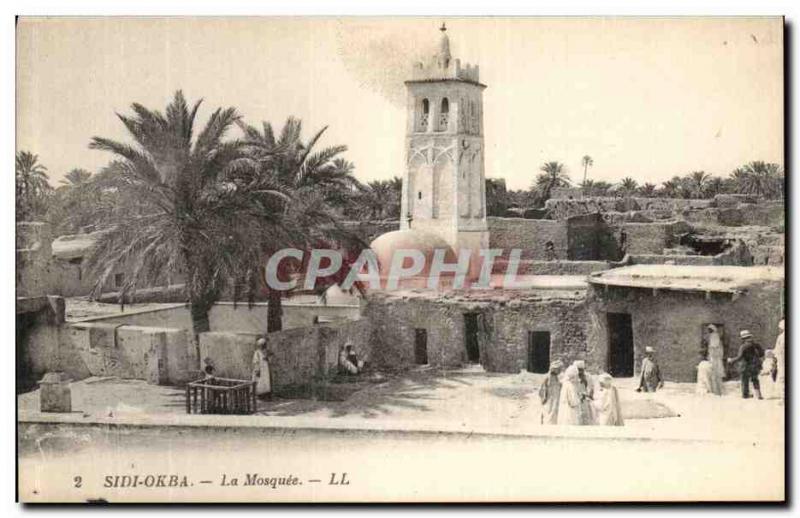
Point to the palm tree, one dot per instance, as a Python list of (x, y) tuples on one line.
[(627, 186), (552, 176), (191, 218), (669, 189), (648, 190), (381, 198), (759, 179), (76, 177), (586, 161), (311, 182), (32, 185), (715, 185), (697, 183)]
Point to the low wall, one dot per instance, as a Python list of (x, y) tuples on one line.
[(529, 267), (159, 355), (225, 316), (298, 357)]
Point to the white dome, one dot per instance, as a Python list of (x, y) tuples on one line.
[(387, 244)]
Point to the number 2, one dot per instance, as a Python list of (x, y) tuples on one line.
[(78, 481)]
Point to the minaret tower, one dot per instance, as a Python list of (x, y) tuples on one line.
[(444, 181)]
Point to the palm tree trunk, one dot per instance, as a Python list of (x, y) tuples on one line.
[(274, 311), (200, 321)]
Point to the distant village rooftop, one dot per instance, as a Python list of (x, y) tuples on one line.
[(721, 279)]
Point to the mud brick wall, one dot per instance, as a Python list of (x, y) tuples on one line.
[(647, 238), (671, 322), (158, 355), (530, 267), (239, 318), (530, 235), (564, 208), (298, 356), (502, 330), (565, 320), (394, 321), (583, 237)]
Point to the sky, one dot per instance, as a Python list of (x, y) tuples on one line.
[(648, 98)]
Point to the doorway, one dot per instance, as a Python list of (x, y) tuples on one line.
[(471, 337), (421, 346), (620, 345), (538, 351)]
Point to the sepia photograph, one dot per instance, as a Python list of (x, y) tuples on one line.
[(400, 259)]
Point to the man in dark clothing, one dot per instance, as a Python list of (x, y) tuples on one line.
[(751, 355)]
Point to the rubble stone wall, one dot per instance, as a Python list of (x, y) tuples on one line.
[(225, 316), (671, 322), (502, 330), (529, 235), (298, 357)]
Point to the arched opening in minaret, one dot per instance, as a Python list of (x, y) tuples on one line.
[(423, 118), (444, 115)]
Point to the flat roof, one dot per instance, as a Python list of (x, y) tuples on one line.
[(728, 279)]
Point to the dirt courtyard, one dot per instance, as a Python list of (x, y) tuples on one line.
[(456, 400)]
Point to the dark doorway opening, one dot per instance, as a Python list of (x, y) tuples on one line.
[(538, 351), (421, 346), (25, 324), (471, 337), (620, 345)]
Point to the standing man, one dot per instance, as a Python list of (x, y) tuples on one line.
[(262, 374), (586, 386), (650, 379), (549, 393), (750, 354)]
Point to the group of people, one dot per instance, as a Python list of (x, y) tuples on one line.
[(764, 370), (575, 399)]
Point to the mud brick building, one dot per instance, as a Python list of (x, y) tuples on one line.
[(667, 308)]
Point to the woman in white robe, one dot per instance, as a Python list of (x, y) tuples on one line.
[(768, 375), (606, 403), (569, 402), (716, 355), (261, 371), (705, 377)]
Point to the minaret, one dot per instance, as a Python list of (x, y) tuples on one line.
[(444, 180)]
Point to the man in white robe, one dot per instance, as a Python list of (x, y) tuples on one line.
[(569, 403), (550, 393), (716, 355), (606, 403), (262, 374)]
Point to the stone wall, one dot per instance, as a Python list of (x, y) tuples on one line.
[(671, 322), (298, 357), (575, 238), (532, 267), (226, 316), (559, 208), (162, 356), (583, 237), (529, 235), (648, 238), (502, 330)]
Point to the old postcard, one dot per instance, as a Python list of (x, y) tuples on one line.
[(410, 259)]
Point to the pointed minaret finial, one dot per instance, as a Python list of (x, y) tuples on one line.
[(443, 28)]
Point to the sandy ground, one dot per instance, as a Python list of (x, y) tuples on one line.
[(467, 399)]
